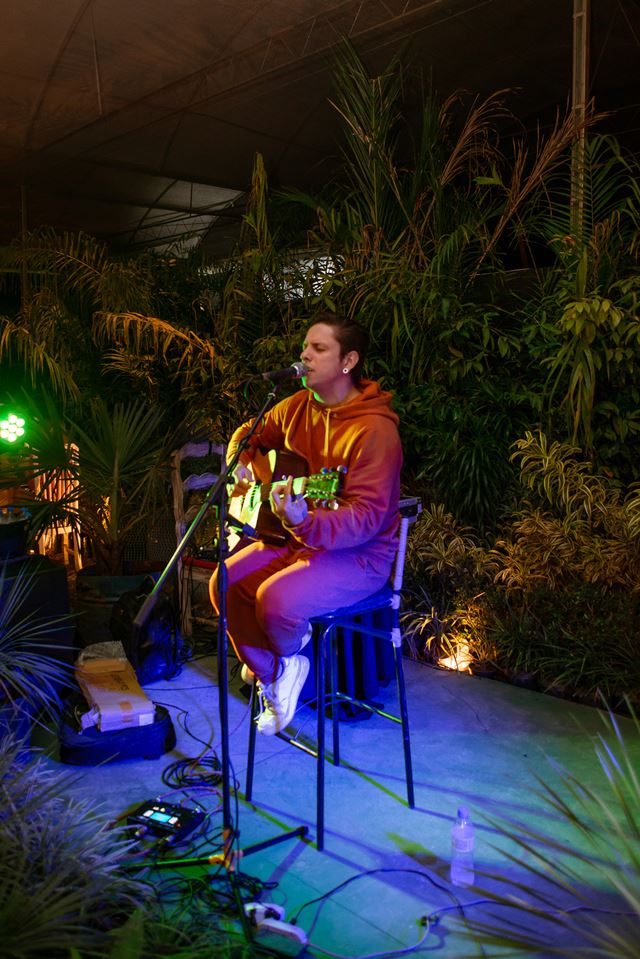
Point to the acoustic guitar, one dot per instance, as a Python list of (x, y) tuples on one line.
[(254, 507)]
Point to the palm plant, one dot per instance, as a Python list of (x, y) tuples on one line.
[(114, 464), (120, 469), (91, 323), (411, 241), (246, 307), (68, 281)]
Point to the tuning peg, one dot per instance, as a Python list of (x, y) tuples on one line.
[(342, 469), (333, 504)]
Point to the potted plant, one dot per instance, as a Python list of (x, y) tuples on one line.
[(121, 468), (106, 475)]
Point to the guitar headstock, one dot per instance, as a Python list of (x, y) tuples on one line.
[(322, 488)]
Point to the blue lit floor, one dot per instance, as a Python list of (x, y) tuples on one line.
[(475, 741)]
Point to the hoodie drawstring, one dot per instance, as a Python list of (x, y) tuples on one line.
[(325, 450)]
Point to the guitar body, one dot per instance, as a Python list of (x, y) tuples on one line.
[(266, 524), (254, 508)]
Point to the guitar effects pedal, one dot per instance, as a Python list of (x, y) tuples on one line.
[(166, 820)]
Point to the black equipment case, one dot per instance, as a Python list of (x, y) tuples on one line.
[(90, 747)]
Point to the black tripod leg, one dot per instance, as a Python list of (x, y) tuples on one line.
[(253, 712)]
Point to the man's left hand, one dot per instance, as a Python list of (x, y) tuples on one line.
[(290, 507)]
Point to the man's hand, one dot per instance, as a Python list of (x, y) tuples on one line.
[(243, 478), (288, 506)]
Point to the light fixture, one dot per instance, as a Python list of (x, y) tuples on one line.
[(11, 428), (460, 660)]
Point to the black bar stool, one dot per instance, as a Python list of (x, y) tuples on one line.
[(359, 618)]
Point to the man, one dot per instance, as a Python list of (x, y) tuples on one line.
[(332, 558)]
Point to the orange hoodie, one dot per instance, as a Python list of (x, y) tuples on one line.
[(361, 435)]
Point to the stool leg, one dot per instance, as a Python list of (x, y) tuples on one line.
[(320, 680), (335, 704), (253, 711), (402, 698)]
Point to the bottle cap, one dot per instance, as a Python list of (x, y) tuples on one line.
[(463, 813)]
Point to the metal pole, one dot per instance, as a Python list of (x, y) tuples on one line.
[(24, 292), (579, 96)]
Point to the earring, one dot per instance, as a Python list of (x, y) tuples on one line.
[(345, 370)]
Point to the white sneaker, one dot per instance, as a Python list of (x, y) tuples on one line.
[(248, 676), (278, 700)]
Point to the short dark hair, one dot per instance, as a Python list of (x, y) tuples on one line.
[(349, 334)]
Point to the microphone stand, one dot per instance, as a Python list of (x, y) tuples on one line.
[(217, 493)]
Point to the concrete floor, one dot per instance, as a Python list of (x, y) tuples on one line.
[(474, 741)]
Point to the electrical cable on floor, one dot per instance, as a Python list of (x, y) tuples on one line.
[(371, 872), (434, 917), (199, 771), (200, 896), (425, 921), (182, 717)]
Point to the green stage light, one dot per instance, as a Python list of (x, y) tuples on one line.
[(11, 428)]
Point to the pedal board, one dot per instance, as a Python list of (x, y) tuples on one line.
[(165, 820)]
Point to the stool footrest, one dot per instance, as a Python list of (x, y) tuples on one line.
[(299, 745), (362, 704)]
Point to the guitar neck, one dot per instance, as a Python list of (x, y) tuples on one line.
[(254, 510)]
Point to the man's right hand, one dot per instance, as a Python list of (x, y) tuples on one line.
[(243, 478)]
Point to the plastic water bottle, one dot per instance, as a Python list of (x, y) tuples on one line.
[(462, 843)]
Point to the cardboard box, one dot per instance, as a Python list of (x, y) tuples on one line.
[(112, 691)]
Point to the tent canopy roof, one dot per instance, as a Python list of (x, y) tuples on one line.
[(139, 121)]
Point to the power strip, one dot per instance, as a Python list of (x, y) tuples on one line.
[(272, 932), (257, 912)]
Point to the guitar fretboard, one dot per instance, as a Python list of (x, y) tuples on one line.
[(265, 488)]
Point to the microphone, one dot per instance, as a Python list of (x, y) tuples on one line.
[(295, 371)]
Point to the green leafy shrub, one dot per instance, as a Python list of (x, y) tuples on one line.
[(580, 641), (594, 870), (63, 889), (555, 602), (445, 569), (61, 885)]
